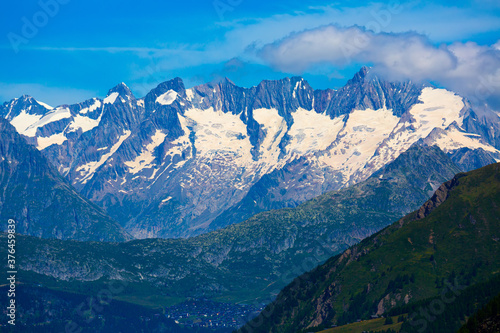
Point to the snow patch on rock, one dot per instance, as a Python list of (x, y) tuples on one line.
[(167, 98), (312, 132), (146, 157), (56, 139), (88, 170), (111, 98)]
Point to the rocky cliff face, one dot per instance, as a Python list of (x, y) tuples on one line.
[(440, 196), (180, 162), (364, 91)]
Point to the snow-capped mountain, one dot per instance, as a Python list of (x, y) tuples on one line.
[(175, 162), (41, 201)]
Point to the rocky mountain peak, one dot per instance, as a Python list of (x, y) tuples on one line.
[(26, 104), (226, 81), (121, 90), (285, 95), (23, 101), (25, 98), (175, 84), (360, 76), (283, 84), (365, 91)]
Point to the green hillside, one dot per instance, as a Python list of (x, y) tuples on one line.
[(452, 239), (487, 319)]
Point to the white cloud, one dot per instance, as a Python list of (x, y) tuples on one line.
[(402, 53), (467, 68), (477, 73), (440, 23)]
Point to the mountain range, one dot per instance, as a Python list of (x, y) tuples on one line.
[(253, 187), (180, 162), (246, 262)]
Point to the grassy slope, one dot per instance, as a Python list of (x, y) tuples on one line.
[(366, 325), (487, 319), (461, 235)]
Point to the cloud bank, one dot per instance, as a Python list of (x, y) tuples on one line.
[(467, 68)]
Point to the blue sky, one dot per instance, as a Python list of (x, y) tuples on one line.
[(79, 49)]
